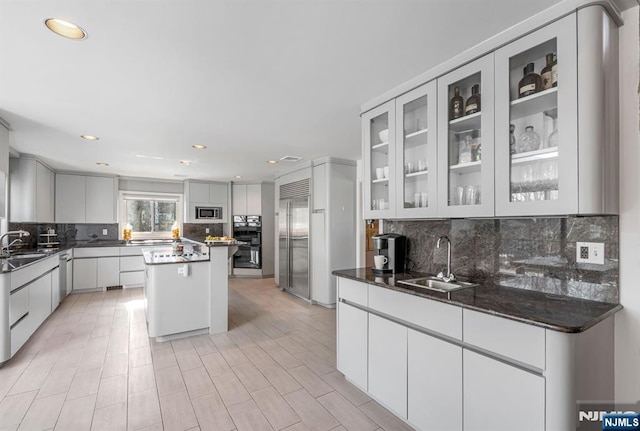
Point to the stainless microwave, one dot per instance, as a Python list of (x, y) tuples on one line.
[(209, 213)]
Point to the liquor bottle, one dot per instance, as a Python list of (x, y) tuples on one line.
[(473, 103), (512, 139), (554, 72), (456, 106), (545, 74), (530, 82)]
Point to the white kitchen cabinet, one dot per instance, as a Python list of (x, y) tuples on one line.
[(352, 344), (108, 271), (416, 170), (379, 152), (40, 300), (30, 297), (465, 175), (218, 193), (100, 200), (498, 395), (85, 199), (247, 199), (85, 273), (45, 192), (70, 199), (570, 172), (96, 267), (388, 363), (434, 379), (31, 191), (201, 194)]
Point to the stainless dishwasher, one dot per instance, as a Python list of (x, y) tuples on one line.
[(63, 274)]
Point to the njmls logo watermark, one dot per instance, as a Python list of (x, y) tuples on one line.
[(607, 416)]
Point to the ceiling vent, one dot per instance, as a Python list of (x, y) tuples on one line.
[(291, 159)]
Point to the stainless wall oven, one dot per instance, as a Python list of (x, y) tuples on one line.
[(248, 229)]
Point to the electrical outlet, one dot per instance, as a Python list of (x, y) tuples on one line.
[(105, 232), (590, 252), (206, 230)]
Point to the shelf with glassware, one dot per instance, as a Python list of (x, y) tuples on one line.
[(416, 153), (465, 135), (537, 128), (379, 153)]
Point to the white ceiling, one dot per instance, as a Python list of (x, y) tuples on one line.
[(251, 79)]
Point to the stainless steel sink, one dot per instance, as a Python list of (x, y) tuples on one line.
[(27, 256), (434, 283)]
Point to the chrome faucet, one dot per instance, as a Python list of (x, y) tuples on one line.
[(449, 275), (4, 252)]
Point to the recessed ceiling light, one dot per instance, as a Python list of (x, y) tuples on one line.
[(89, 137), (185, 162), (272, 162), (65, 28), (238, 176), (199, 147), (103, 164)]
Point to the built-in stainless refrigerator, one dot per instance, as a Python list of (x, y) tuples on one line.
[(294, 238)]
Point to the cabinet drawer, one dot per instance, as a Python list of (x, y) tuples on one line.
[(130, 251), (352, 290), (27, 274), (131, 263), (18, 304), (96, 252), (515, 340), (132, 278), (433, 315)]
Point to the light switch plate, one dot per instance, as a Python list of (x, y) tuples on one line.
[(590, 252), (105, 232), (206, 230)]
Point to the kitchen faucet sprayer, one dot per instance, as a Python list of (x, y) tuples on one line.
[(6, 250)]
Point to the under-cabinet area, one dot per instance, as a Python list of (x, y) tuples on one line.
[(440, 365), (499, 135)]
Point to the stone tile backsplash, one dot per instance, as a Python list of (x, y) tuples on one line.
[(66, 233), (533, 253)]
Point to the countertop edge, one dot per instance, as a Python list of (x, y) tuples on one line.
[(558, 328)]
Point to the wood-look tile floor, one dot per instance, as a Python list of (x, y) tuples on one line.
[(91, 365)]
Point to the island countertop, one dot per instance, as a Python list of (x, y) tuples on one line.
[(558, 313)]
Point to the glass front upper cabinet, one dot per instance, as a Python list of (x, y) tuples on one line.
[(536, 123), (416, 153), (465, 141), (379, 153)]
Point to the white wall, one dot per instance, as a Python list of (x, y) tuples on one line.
[(627, 321)]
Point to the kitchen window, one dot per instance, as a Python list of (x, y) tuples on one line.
[(150, 215)]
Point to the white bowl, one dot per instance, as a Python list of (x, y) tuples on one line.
[(384, 135)]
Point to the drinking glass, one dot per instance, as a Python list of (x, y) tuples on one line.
[(469, 195), (423, 199), (458, 197), (416, 200)]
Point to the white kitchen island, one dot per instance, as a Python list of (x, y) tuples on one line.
[(186, 294)]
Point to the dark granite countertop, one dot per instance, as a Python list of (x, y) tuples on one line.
[(558, 313)]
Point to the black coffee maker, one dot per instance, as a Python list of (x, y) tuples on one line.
[(392, 247)]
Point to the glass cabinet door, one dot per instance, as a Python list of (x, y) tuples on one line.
[(465, 141), (416, 153), (379, 165), (536, 123)]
